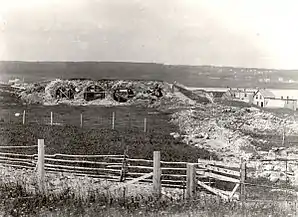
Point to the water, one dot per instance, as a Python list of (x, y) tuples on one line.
[(42, 71)]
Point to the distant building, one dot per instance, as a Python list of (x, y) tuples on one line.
[(216, 94), (262, 97), (240, 94), (265, 98)]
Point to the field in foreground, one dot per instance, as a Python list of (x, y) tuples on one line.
[(67, 195)]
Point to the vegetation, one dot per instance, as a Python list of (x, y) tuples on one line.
[(85, 197), (75, 140)]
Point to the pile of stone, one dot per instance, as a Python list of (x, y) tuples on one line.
[(279, 164), (229, 131), (72, 92)]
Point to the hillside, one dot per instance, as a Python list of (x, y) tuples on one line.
[(197, 76)]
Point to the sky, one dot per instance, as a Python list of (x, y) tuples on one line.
[(254, 33)]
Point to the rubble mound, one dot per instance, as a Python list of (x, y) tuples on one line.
[(101, 92), (231, 134), (230, 131)]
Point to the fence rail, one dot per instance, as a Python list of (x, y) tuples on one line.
[(146, 122), (203, 175)]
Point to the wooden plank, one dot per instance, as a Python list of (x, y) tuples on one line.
[(217, 163), (280, 159), (54, 170), (234, 190), (163, 181), (81, 168), (135, 174), (174, 175), (51, 118), (156, 174), (176, 169), (183, 182), (84, 156), (145, 125), (18, 155), (131, 182), (222, 170), (65, 94), (82, 161), (114, 166), (172, 186), (24, 117), (113, 120), (242, 180), (138, 160), (15, 147), (212, 190), (200, 172), (167, 162), (140, 167), (41, 165), (17, 159), (151, 161), (15, 162), (227, 193), (221, 177), (190, 181)]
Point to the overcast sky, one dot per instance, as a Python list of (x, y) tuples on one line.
[(247, 33)]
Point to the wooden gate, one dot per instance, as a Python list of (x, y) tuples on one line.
[(224, 178)]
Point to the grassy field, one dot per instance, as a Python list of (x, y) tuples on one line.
[(78, 198), (74, 140)]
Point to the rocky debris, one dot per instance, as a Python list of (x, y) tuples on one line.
[(279, 164), (150, 93), (210, 133), (229, 133)]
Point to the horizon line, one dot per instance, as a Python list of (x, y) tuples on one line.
[(140, 62)]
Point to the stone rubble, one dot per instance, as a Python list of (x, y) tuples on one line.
[(229, 133)]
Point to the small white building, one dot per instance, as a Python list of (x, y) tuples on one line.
[(265, 98)]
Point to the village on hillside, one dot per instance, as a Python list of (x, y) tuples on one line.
[(261, 97)]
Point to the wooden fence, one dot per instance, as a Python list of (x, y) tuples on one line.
[(82, 120), (234, 174), (190, 177)]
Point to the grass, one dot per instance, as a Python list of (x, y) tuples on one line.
[(75, 140), (72, 196)]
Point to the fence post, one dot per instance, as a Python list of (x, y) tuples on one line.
[(40, 165), (287, 173), (51, 118), (190, 181), (113, 121), (145, 125), (129, 120), (81, 124), (156, 174), (124, 167), (242, 180), (211, 162), (24, 117)]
